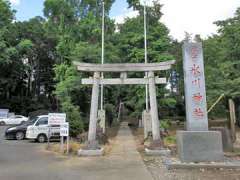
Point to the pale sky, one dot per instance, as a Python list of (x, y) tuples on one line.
[(192, 16), (15, 2), (196, 16)]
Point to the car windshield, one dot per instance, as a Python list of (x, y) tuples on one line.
[(31, 121)]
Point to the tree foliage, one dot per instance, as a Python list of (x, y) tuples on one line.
[(68, 81), (36, 59)]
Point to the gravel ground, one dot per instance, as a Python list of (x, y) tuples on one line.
[(160, 172)]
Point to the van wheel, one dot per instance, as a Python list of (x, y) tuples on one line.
[(2, 123), (42, 138), (19, 135)]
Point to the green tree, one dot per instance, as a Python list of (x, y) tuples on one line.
[(131, 46), (222, 62), (68, 81), (6, 14)]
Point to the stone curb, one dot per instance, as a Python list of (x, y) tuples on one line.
[(86, 152), (203, 165), (162, 152)]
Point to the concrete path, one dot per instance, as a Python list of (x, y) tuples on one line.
[(123, 163), (126, 159)]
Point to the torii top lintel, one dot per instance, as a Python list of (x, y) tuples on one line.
[(124, 67)]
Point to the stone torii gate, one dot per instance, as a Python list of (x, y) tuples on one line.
[(92, 147)]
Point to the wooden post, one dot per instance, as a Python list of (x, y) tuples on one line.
[(232, 119), (94, 109)]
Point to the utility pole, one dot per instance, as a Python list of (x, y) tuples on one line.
[(103, 29), (146, 3), (145, 53)]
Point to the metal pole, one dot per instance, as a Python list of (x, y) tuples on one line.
[(103, 29), (67, 145), (214, 104), (146, 55), (62, 145), (48, 138)]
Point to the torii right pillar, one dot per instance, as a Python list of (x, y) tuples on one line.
[(197, 143), (156, 147)]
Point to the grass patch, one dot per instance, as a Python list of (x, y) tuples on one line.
[(73, 147), (170, 140)]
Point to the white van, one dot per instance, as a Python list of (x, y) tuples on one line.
[(39, 130)]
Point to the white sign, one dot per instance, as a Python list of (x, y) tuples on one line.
[(4, 113), (64, 129), (148, 3), (56, 118), (195, 93), (11, 114)]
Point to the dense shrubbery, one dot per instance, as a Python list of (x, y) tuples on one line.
[(68, 81)]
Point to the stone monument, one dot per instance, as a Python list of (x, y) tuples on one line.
[(197, 144), (102, 120), (147, 123)]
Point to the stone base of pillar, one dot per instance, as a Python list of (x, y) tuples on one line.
[(200, 146), (90, 152), (226, 138), (156, 145), (92, 145), (157, 148), (91, 149), (158, 152)]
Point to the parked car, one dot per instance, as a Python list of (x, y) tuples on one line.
[(39, 130), (19, 132), (13, 120)]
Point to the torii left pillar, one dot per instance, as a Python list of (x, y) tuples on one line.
[(93, 148), (92, 143)]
